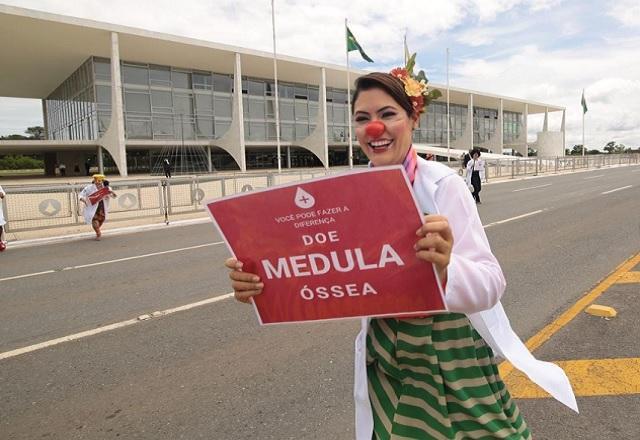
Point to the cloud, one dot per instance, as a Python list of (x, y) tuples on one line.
[(485, 35), (18, 114), (558, 77), (626, 12), (498, 46)]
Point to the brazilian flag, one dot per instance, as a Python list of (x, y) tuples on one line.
[(352, 44), (584, 103)]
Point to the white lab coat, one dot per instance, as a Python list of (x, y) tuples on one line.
[(89, 209), (475, 284), (474, 165), (2, 220)]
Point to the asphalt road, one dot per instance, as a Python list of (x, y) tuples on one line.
[(211, 372)]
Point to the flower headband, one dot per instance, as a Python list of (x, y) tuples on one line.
[(415, 86)]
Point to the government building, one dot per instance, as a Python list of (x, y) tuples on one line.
[(125, 99)]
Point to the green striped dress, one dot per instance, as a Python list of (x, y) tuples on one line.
[(436, 378)]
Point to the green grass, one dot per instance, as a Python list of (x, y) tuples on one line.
[(9, 173)]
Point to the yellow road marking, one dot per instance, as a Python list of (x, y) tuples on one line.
[(547, 332), (630, 278), (591, 377)]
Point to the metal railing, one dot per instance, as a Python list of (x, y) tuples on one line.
[(532, 166), (31, 207)]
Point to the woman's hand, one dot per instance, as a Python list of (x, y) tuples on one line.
[(435, 243), (245, 285)]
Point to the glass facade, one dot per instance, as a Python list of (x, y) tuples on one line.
[(484, 124), (71, 108), (512, 125), (166, 103), (160, 103), (170, 103), (433, 123), (298, 105)]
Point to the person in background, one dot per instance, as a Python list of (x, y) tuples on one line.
[(63, 169), (433, 377), (95, 214), (475, 174), (166, 166), (465, 159), (3, 242), (87, 166)]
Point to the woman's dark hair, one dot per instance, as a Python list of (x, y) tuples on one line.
[(387, 83), (476, 151)]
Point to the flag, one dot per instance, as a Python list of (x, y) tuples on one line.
[(584, 103), (352, 44)]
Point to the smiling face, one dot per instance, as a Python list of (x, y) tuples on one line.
[(391, 146)]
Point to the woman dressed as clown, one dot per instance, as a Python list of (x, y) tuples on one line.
[(433, 377), (96, 205)]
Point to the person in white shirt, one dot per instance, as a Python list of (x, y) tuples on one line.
[(475, 174), (433, 377), (3, 243), (95, 214)]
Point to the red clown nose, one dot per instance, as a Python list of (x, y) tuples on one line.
[(374, 129)]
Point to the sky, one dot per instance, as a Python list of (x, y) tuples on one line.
[(541, 50)]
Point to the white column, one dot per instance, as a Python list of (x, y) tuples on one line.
[(113, 139), (545, 126), (233, 140), (525, 120), (44, 119), (237, 78), (323, 105), (317, 142), (470, 119), (562, 129), (209, 165), (500, 127), (289, 157)]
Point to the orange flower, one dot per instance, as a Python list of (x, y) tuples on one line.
[(400, 72), (412, 87)]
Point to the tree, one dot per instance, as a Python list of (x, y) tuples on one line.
[(621, 148), (36, 132), (610, 147), (577, 150), (13, 137), (614, 148)]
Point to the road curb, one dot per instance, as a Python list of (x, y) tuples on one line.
[(113, 232)]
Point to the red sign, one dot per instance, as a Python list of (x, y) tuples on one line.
[(333, 247), (99, 195)]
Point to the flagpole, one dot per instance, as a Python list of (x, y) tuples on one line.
[(346, 34), (275, 80), (583, 146), (448, 115), (583, 112)]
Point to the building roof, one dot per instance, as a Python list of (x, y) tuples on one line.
[(46, 48)]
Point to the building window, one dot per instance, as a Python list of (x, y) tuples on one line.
[(160, 76), (202, 81), (137, 102), (138, 75), (161, 100), (181, 80)]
